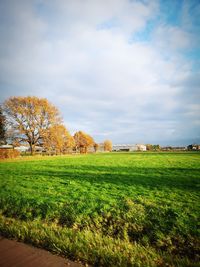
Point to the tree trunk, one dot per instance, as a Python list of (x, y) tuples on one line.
[(32, 148)]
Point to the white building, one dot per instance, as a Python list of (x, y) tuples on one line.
[(6, 146), (141, 147), (129, 147), (22, 148)]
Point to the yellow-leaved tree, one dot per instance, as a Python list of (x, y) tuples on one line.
[(107, 144), (83, 141), (57, 139), (69, 144), (30, 118), (96, 146)]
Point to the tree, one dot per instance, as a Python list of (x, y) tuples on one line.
[(156, 147), (69, 144), (149, 147), (30, 118), (96, 146), (107, 144), (2, 127), (55, 139), (83, 141)]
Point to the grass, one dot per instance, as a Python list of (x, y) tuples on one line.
[(114, 209)]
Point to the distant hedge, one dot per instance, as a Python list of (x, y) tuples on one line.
[(8, 153)]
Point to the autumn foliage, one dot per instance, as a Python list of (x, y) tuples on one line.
[(57, 139), (83, 141), (30, 118), (8, 153), (96, 147), (107, 145), (37, 122)]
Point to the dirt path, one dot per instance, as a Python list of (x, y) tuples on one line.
[(16, 254)]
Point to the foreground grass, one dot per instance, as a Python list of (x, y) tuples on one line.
[(132, 209)]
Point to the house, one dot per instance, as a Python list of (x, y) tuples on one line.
[(141, 147), (193, 147)]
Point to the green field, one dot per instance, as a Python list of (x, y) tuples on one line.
[(109, 209)]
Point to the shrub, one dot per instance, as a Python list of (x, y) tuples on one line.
[(8, 153)]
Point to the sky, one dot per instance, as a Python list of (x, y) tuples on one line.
[(125, 70)]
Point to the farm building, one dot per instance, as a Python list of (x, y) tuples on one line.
[(129, 147), (174, 148)]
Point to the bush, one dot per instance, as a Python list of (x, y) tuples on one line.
[(8, 153)]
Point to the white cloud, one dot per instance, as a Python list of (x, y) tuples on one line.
[(78, 55), (172, 38)]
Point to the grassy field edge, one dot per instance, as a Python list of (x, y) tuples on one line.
[(86, 246)]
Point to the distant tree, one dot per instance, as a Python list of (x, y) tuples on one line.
[(149, 147), (55, 139), (96, 146), (83, 141), (30, 118), (2, 127), (90, 142), (107, 145), (69, 143), (189, 147), (156, 147)]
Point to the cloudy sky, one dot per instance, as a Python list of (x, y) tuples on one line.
[(125, 70)]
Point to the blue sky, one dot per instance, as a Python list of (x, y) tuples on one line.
[(123, 70)]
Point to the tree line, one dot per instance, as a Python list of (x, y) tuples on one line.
[(36, 122)]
